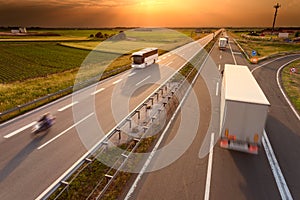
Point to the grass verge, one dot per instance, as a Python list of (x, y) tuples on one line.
[(291, 83), (265, 48)]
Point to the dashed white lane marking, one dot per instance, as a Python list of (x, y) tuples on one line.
[(237, 53), (20, 130), (279, 178), (67, 106), (169, 63), (209, 167), (117, 81), (219, 67), (143, 80), (131, 74), (220, 57), (57, 136), (232, 55), (217, 89), (158, 61), (97, 91)]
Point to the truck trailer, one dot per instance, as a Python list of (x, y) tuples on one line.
[(222, 43), (243, 110)]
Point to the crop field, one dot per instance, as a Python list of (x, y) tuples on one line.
[(30, 70), (65, 34), (136, 39), (21, 60)]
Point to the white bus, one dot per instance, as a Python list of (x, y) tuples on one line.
[(144, 57)]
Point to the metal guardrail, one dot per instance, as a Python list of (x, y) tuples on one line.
[(161, 96), (46, 99)]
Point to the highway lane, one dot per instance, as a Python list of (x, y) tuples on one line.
[(233, 175), (184, 178), (283, 127), (237, 175), (29, 164)]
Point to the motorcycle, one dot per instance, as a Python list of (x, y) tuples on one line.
[(43, 125)]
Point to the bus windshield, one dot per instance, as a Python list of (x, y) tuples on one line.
[(138, 59)]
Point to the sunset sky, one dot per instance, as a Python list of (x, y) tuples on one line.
[(147, 13)]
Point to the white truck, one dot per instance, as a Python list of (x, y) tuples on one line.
[(243, 110), (222, 43)]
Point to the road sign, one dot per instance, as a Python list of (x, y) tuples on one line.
[(254, 60), (253, 53)]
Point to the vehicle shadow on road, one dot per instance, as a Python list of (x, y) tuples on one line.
[(22, 155)]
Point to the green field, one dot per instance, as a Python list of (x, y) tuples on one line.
[(291, 83), (163, 38), (265, 47), (30, 70), (26, 60)]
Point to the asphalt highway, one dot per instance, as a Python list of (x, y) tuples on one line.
[(31, 163), (225, 174)]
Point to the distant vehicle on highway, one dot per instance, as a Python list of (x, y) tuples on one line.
[(244, 110), (222, 43), (144, 57)]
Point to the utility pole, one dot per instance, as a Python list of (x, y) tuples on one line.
[(276, 9)]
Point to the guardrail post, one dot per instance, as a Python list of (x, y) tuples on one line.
[(151, 98), (157, 95), (139, 114), (130, 122), (119, 133)]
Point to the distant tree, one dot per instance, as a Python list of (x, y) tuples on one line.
[(92, 35), (106, 35), (99, 35), (297, 34)]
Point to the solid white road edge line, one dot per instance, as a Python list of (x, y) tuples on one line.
[(117, 81), (143, 80), (209, 167), (279, 178), (19, 130), (97, 91), (282, 91), (67, 106), (57, 136), (272, 61)]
